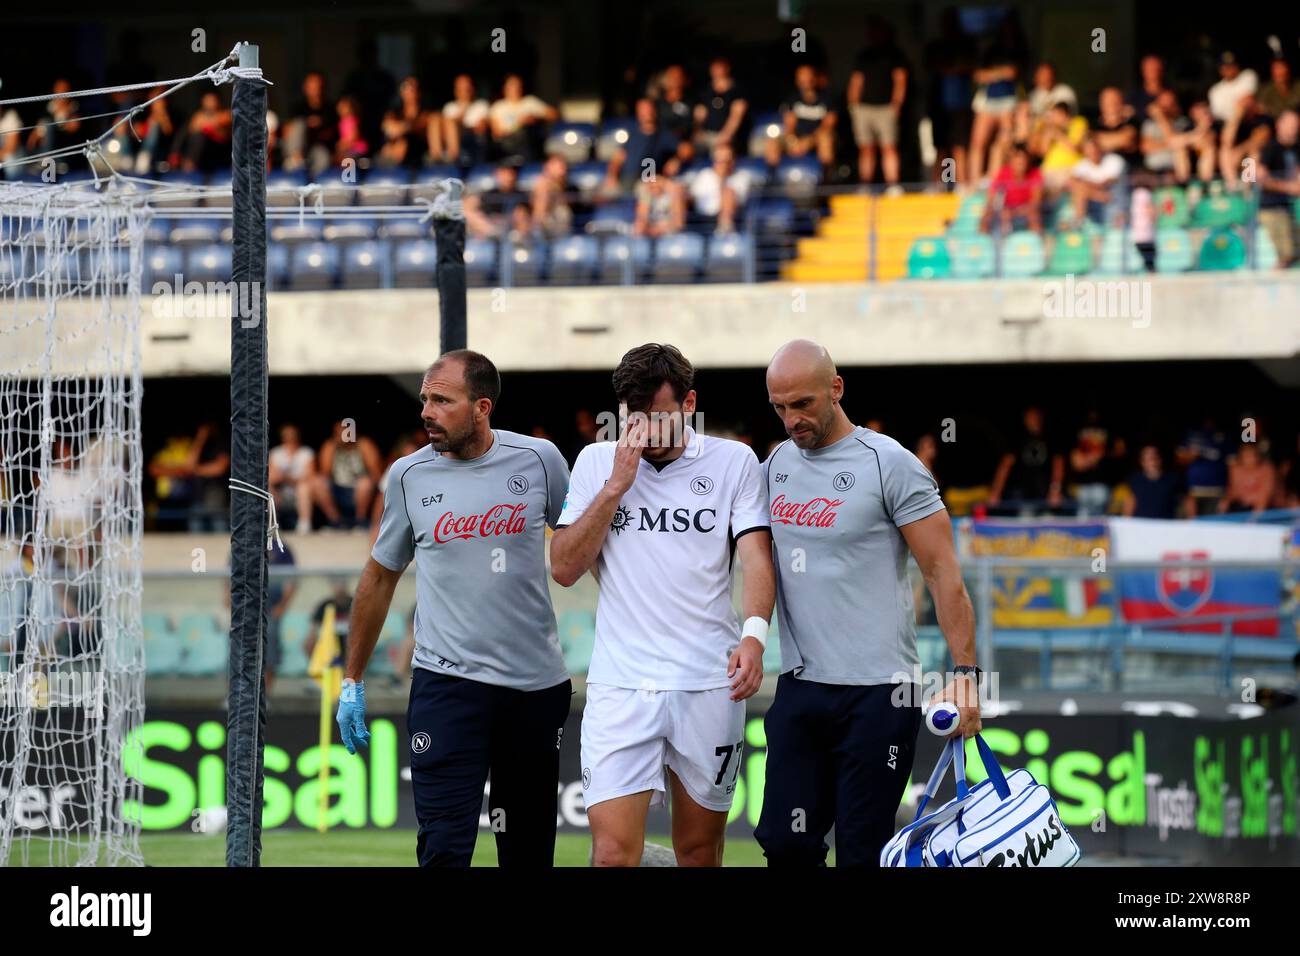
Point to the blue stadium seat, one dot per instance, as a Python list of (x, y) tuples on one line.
[(343, 230), (972, 257), (526, 263), (730, 258), (210, 263), (613, 137), (162, 264), (277, 266), (195, 232), (528, 176), (1119, 255), (313, 265), (219, 181), (1173, 250), (574, 260), (615, 216), (205, 656), (156, 626), (587, 177), (765, 126), (291, 232), (366, 264), (334, 190), (573, 141), (414, 261), (294, 627), (162, 657), (282, 186), (798, 176), (405, 229), (1023, 255), (756, 168), (774, 214), (480, 262), (385, 187), (179, 179), (481, 178), (1265, 251), (428, 177), (678, 258), (624, 259), (97, 262)]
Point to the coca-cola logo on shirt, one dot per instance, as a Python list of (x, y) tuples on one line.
[(498, 520), (817, 513)]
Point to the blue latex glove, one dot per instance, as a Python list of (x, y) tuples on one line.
[(352, 715)]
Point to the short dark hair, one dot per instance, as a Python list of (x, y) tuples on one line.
[(643, 371), (482, 380)]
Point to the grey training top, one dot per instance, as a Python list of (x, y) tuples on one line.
[(843, 598), (477, 532)]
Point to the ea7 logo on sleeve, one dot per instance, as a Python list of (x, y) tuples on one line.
[(77, 909)]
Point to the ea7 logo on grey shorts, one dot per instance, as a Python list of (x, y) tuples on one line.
[(517, 484), (420, 742)]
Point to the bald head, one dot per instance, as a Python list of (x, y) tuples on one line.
[(805, 391)]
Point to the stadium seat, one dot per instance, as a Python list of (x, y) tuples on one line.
[(1265, 251), (972, 257), (1224, 210), (587, 177), (312, 266), (969, 214), (574, 260), (480, 179), (414, 261), (1023, 255), (613, 137), (773, 214), (577, 633), (162, 657), (426, 180), (277, 266), (615, 216), (624, 259), (1119, 255), (161, 264), (480, 261), (404, 229), (333, 189), (385, 187), (195, 232), (766, 126), (391, 634), (205, 656), (1171, 207), (729, 258), (678, 257), (282, 187), (528, 176), (366, 265), (158, 229), (156, 625), (219, 181), (692, 169), (1173, 250), (293, 631), (1222, 251), (798, 177), (523, 263), (97, 263), (210, 263), (756, 168), (573, 141), (1071, 254), (179, 180), (928, 259), (291, 232), (344, 230)]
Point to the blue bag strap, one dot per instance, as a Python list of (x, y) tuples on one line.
[(959, 766), (932, 787), (993, 768)]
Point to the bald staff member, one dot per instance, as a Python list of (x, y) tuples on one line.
[(847, 506)]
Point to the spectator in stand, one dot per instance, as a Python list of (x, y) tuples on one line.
[(1279, 184), (1033, 472), (950, 60), (461, 138), (994, 102), (719, 192), (406, 445), (722, 114), (1244, 137), (660, 207), (1096, 185), (1154, 492), (807, 122), (408, 118), (60, 125), (351, 142), (1057, 141), (1204, 455), (395, 150), (516, 121), (1289, 479), (676, 114), (875, 95), (586, 431), (11, 139), (291, 468), (1151, 72), (346, 476), (1281, 93), (927, 451), (341, 597), (551, 213), (1252, 481), (499, 210), (1170, 139), (205, 145), (372, 89), (1116, 131), (1234, 83), (1048, 92), (1015, 196), (649, 150), (189, 475), (310, 133), (156, 132), (1088, 467)]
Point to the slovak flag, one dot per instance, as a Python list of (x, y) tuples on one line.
[(1188, 593)]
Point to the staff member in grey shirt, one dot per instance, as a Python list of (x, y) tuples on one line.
[(847, 506)]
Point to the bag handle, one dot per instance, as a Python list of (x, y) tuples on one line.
[(955, 753)]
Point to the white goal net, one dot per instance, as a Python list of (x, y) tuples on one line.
[(71, 641)]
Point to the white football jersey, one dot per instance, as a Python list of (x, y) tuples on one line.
[(664, 619)]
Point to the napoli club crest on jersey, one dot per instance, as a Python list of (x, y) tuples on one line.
[(420, 742), (1185, 590), (702, 485)]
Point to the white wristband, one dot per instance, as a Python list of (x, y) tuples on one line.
[(756, 628)]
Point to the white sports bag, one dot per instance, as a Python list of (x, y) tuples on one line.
[(1005, 820)]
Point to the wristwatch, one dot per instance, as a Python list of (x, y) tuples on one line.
[(972, 669)]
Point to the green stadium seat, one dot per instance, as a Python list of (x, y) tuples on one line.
[(156, 625), (1118, 257), (972, 257), (193, 627), (1173, 250), (1171, 207), (162, 657), (1071, 254), (1222, 251), (928, 259), (1223, 210), (577, 656), (1265, 251), (293, 631), (1023, 255), (206, 656)]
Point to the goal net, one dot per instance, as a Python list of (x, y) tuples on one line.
[(71, 641)]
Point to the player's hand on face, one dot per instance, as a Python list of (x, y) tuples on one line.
[(963, 692), (745, 668), (633, 437)]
